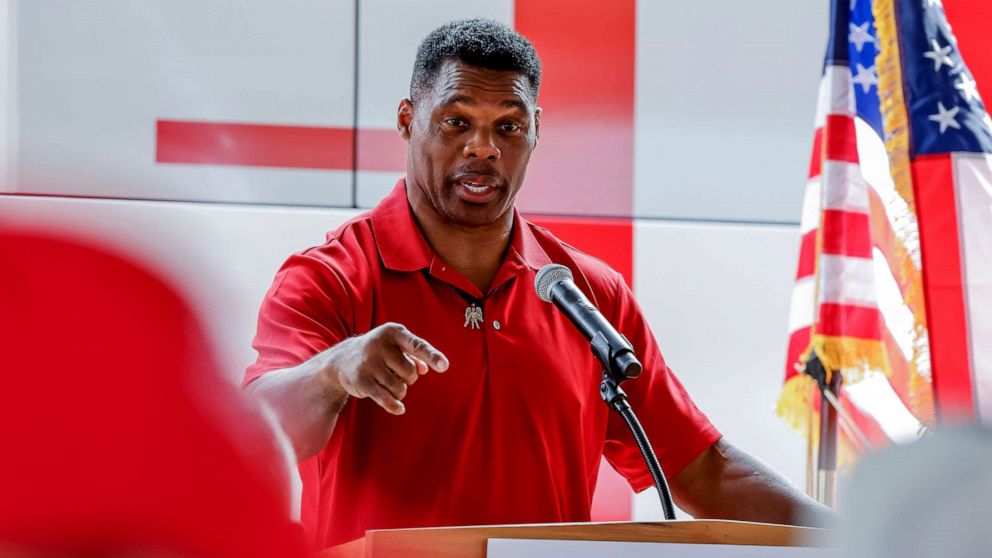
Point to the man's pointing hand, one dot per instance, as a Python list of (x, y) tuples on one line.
[(381, 364)]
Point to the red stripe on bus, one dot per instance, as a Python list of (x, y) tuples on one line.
[(584, 162), (257, 145)]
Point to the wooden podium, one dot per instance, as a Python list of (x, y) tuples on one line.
[(471, 542)]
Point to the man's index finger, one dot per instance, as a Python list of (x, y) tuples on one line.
[(418, 348)]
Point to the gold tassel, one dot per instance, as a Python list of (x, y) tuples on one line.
[(852, 356), (795, 402), (795, 406)]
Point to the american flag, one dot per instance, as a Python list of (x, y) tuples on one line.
[(894, 286)]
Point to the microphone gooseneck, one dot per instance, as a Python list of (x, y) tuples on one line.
[(554, 284)]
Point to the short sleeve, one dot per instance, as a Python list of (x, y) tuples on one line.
[(306, 310), (677, 429)]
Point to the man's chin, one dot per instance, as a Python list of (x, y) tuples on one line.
[(472, 215)]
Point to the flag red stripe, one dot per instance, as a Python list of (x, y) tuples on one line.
[(846, 233), (816, 158), (807, 255), (261, 145), (848, 320), (840, 143), (933, 185), (798, 342), (971, 27)]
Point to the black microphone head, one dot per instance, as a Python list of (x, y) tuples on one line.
[(547, 277)]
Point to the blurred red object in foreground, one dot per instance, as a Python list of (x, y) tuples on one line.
[(119, 435)]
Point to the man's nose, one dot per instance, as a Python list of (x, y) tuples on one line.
[(481, 146)]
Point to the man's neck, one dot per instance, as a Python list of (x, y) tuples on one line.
[(476, 252)]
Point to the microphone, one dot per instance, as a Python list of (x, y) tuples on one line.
[(554, 284)]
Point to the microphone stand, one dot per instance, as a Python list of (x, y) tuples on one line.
[(619, 364)]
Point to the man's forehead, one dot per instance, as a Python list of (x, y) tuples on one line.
[(464, 83)]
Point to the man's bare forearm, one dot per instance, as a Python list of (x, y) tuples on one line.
[(728, 483), (306, 403), (380, 365)]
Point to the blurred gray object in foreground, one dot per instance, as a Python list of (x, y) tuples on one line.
[(932, 498)]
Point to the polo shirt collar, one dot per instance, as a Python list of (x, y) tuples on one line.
[(403, 247), (524, 245)]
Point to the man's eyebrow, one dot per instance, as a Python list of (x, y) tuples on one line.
[(466, 100), (459, 99), (515, 103)]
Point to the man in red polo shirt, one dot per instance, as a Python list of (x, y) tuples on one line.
[(411, 355)]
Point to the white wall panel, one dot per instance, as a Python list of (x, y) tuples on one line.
[(222, 257), (725, 102), (717, 298), (374, 185), (95, 76), (389, 33), (8, 93)]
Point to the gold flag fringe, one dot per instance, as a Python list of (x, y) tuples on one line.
[(795, 402), (795, 406), (892, 101), (921, 400), (895, 121), (851, 355)]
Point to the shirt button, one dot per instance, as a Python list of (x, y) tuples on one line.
[(496, 325)]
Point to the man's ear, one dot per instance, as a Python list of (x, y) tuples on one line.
[(404, 118), (537, 125)]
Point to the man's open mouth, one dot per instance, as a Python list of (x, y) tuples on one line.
[(475, 187)]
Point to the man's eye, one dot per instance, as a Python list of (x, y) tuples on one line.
[(456, 122), (509, 127)]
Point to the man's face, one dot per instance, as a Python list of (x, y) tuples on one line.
[(470, 140)]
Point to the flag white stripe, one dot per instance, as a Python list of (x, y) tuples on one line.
[(801, 306), (973, 183), (835, 94), (847, 280), (898, 317), (810, 219), (875, 397), (844, 189)]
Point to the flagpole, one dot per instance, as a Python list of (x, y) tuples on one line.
[(828, 382), (811, 472), (827, 455)]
